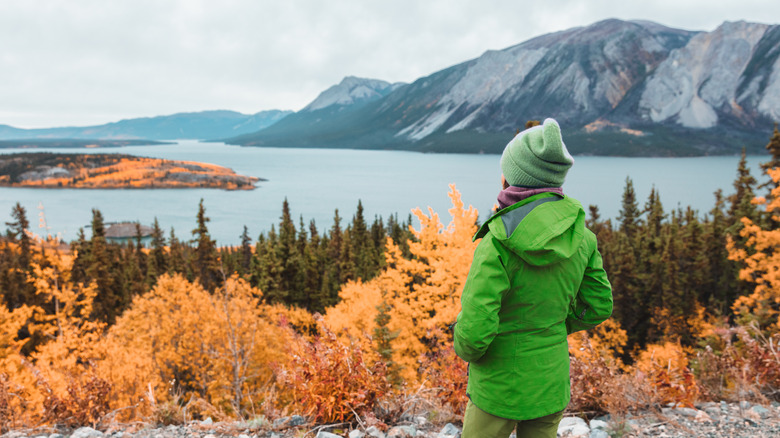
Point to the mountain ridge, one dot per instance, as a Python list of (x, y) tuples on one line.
[(186, 125), (622, 79)]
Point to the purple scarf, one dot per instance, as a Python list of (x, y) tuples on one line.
[(512, 194)]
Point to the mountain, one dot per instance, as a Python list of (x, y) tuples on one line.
[(198, 125), (617, 88)]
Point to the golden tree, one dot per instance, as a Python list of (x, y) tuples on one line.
[(761, 265), (421, 294)]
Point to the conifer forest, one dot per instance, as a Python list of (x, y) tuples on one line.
[(350, 323)]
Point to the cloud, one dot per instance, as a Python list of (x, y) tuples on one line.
[(92, 61)]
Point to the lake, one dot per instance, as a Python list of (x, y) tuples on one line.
[(317, 181)]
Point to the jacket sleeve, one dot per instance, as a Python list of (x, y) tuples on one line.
[(486, 284), (593, 303)]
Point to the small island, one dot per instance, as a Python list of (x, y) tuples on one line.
[(115, 171)]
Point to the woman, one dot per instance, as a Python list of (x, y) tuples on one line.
[(536, 276)]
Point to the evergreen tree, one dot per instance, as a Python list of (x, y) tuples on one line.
[(246, 252), (18, 231), (332, 277), (177, 262), (206, 263), (16, 290), (361, 247), (157, 258), (629, 213), (722, 273), (741, 201), (384, 338), (108, 302)]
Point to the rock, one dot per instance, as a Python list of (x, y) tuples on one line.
[(702, 417), (761, 411), (421, 420), (775, 404), (449, 430), (86, 432), (295, 420), (402, 432), (712, 411), (744, 405), (56, 435), (598, 424), (208, 421), (243, 436), (687, 412), (323, 434), (357, 434), (374, 432), (211, 435), (573, 426), (598, 433)]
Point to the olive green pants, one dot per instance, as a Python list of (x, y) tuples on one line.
[(479, 424)]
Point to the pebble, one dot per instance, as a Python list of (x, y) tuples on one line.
[(86, 432), (573, 426), (449, 430), (761, 411), (323, 434), (357, 434), (402, 432), (374, 432)]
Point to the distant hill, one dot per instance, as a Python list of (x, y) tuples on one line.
[(617, 88), (198, 125)]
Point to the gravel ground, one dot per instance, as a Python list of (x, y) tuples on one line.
[(710, 420)]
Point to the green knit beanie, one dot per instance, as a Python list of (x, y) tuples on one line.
[(537, 157)]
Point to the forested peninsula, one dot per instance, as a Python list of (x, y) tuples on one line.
[(115, 171)]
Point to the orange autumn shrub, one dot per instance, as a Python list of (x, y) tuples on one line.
[(666, 369), (85, 401), (15, 379), (598, 379), (215, 347), (446, 375), (744, 366), (329, 379), (422, 294)]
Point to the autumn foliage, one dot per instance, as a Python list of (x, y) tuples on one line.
[(111, 171), (183, 348)]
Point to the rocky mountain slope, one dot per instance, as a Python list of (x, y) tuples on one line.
[(199, 125), (617, 87)]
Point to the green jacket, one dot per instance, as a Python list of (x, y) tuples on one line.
[(536, 276)]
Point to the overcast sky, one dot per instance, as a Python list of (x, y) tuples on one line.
[(83, 62)]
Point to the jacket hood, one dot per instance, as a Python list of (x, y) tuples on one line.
[(543, 229)]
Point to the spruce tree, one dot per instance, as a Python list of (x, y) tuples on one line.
[(106, 306), (206, 264), (384, 338), (629, 212), (246, 252), (741, 204), (19, 230), (157, 259)]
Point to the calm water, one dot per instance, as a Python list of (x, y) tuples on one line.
[(317, 181)]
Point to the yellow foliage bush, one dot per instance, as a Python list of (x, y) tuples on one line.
[(423, 294), (218, 347)]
